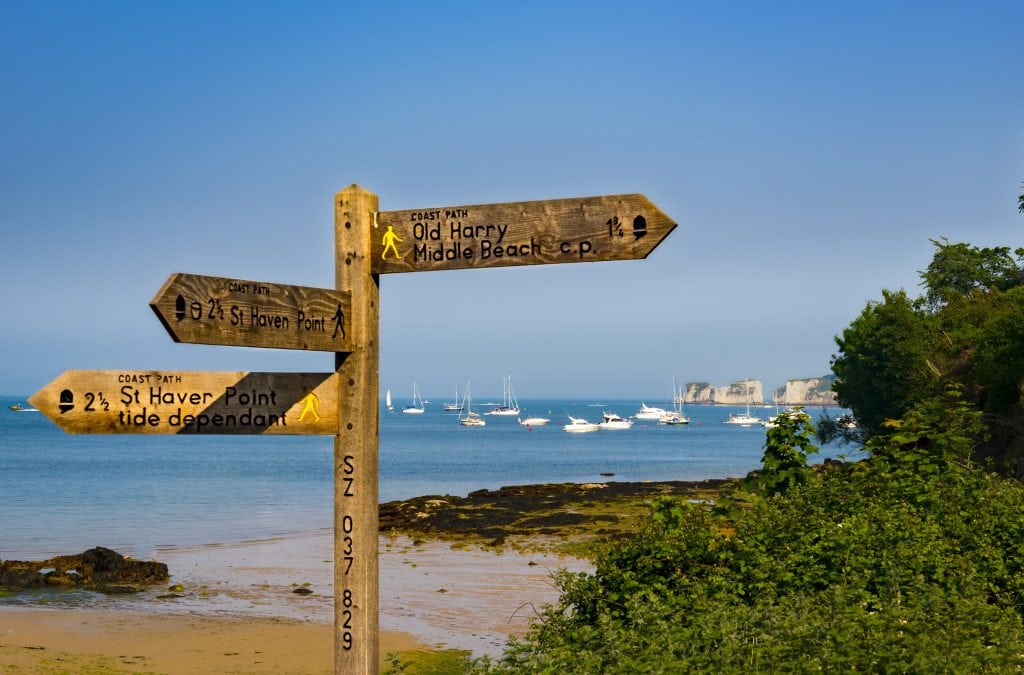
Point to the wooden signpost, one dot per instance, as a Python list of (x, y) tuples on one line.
[(368, 242), (587, 229), (216, 311), (174, 402)]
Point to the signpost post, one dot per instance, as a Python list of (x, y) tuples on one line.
[(346, 321), (356, 580)]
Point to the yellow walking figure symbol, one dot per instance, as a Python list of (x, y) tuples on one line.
[(389, 243), (309, 405)]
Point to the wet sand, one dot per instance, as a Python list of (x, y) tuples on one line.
[(237, 611)]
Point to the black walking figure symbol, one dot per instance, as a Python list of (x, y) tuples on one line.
[(339, 323)]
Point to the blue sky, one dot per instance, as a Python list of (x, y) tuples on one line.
[(807, 150)]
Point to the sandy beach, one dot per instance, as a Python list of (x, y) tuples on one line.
[(238, 613)]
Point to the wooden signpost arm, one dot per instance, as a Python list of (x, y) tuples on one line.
[(356, 587)]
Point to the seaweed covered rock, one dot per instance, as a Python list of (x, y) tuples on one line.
[(99, 569)]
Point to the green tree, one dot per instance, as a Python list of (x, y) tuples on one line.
[(961, 269), (999, 356), (968, 330), (883, 363), (787, 446)]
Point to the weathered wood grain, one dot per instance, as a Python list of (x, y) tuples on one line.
[(220, 311), (182, 402), (356, 573), (586, 229)]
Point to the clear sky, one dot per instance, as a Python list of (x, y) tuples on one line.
[(807, 150)]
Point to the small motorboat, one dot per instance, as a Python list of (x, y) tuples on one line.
[(613, 421), (578, 425), (534, 421)]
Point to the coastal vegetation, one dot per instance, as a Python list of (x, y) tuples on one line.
[(967, 329), (911, 560)]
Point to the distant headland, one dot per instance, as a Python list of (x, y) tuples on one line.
[(807, 391)]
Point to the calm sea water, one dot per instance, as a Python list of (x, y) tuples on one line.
[(63, 494)]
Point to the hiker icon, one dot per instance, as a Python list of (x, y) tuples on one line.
[(309, 405), (389, 243), (339, 323)]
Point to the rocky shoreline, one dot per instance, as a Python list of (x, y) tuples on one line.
[(98, 569), (563, 511), (536, 516)]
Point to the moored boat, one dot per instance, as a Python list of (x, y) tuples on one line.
[(509, 405), (534, 421), (455, 405), (648, 412), (578, 425), (744, 419), (417, 407), (467, 417), (676, 416), (613, 421)]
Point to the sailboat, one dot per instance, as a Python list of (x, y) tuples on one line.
[(387, 401), (417, 407), (509, 404), (677, 416), (467, 417), (454, 406), (744, 420)]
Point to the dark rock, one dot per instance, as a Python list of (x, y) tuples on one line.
[(99, 569), (115, 589), (302, 591)]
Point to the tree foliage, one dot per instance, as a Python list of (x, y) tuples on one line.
[(882, 365), (967, 329), (961, 269)]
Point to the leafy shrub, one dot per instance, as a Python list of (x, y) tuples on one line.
[(911, 561)]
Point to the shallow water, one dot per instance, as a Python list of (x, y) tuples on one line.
[(135, 494)]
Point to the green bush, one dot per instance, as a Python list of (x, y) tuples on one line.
[(911, 561)]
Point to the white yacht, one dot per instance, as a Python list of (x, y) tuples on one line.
[(648, 412), (578, 425), (613, 421), (534, 421)]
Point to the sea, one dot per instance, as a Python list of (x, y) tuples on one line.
[(62, 494)]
